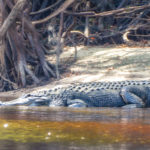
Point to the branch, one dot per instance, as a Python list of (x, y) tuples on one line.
[(45, 9), (55, 13), (121, 10), (88, 13), (109, 13), (12, 16)]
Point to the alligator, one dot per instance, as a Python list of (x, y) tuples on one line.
[(93, 94)]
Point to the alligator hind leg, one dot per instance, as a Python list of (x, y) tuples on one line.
[(131, 98)]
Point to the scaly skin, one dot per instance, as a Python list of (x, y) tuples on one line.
[(93, 94), (91, 86)]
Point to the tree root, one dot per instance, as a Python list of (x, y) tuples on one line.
[(20, 44)]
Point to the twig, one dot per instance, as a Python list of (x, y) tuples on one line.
[(14, 84)]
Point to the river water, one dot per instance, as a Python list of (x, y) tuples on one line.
[(43, 128)]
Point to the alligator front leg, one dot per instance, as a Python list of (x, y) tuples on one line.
[(130, 95), (76, 103)]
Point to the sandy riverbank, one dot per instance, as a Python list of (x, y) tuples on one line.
[(97, 64)]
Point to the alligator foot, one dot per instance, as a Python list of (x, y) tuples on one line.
[(132, 106)]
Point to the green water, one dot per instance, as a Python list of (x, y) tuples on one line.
[(74, 129)]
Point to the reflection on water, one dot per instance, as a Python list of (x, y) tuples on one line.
[(50, 128)]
